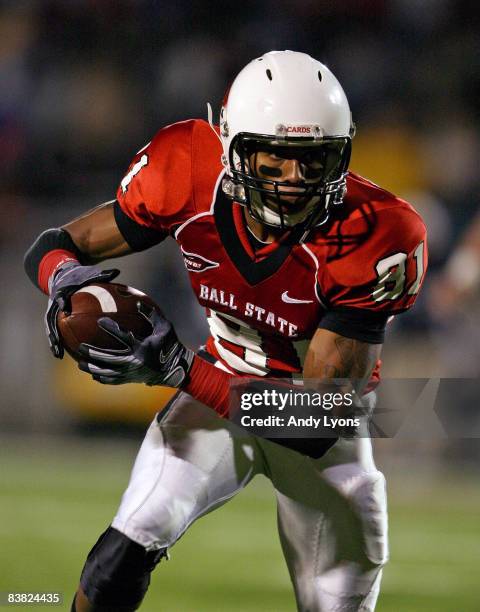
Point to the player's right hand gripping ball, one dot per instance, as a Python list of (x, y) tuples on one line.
[(119, 335), (78, 323)]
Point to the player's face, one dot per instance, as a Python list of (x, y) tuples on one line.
[(296, 169)]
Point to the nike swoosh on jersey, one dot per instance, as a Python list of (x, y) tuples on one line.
[(289, 300)]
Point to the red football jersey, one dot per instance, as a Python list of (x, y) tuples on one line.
[(263, 308)]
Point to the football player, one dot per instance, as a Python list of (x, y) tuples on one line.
[(299, 264)]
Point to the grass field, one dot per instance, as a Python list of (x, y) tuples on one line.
[(57, 496)]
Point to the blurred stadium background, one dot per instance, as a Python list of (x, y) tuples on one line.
[(83, 86)]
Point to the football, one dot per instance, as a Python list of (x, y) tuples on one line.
[(86, 306)]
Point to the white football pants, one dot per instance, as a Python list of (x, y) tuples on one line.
[(332, 515)]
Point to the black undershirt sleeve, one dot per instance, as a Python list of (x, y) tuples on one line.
[(356, 323), (138, 237)]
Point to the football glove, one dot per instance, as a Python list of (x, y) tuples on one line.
[(158, 359), (68, 279)]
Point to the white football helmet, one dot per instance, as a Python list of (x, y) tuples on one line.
[(287, 104)]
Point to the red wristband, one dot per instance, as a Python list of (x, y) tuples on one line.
[(209, 385), (50, 263)]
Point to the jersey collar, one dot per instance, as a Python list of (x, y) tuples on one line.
[(265, 262)]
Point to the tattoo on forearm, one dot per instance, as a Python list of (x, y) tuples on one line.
[(342, 363), (357, 358), (353, 359), (331, 371)]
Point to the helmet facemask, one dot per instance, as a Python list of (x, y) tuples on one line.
[(256, 177)]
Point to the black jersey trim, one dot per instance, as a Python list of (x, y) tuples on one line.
[(253, 272), (356, 323), (138, 237)]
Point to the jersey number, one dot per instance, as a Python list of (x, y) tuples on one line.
[(241, 349), (127, 179), (391, 275)]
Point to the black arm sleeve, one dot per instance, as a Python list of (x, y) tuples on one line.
[(49, 240), (356, 323), (138, 237)]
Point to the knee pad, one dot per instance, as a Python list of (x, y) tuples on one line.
[(117, 571)]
